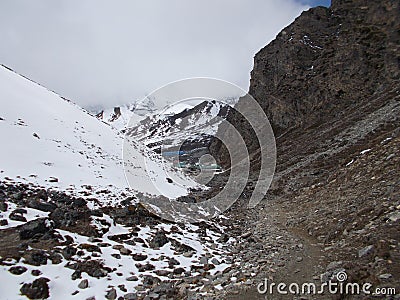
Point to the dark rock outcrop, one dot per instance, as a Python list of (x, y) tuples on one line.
[(328, 61), (35, 227)]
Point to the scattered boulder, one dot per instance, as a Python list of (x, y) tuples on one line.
[(203, 260), (179, 270), (16, 216), (130, 296), (33, 228), (385, 276), (145, 267), (36, 257), (173, 262), (17, 270), (125, 251), (393, 216), (139, 257), (36, 272), (365, 251), (111, 294), (53, 179), (68, 252), (55, 258), (93, 268), (132, 278), (90, 247), (3, 206), (162, 272), (246, 235), (38, 289), (83, 284), (116, 255), (159, 240), (149, 280)]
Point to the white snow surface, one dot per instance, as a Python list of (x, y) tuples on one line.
[(46, 138)]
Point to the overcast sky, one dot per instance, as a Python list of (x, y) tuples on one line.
[(111, 52)]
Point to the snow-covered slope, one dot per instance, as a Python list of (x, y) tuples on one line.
[(83, 236), (53, 143), (119, 116), (173, 127)]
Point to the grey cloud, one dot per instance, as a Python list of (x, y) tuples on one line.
[(110, 52)]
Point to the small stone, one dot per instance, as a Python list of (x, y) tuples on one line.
[(153, 295), (215, 261), (3, 206), (55, 258), (204, 260), (83, 284), (53, 179), (122, 288), (179, 270), (145, 267), (365, 251), (139, 257), (188, 254), (17, 270), (111, 294), (248, 282), (173, 262), (3, 222), (130, 296), (125, 251), (17, 217), (132, 278), (76, 275), (36, 272), (385, 276), (90, 247), (394, 216), (246, 235), (162, 272), (117, 247), (159, 240), (299, 259)]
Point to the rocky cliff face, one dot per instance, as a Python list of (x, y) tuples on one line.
[(326, 62)]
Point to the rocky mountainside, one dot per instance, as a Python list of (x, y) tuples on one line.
[(327, 62), (188, 129), (329, 84)]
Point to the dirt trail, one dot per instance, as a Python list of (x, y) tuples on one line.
[(298, 258)]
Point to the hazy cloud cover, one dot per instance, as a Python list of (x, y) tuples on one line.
[(111, 52)]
